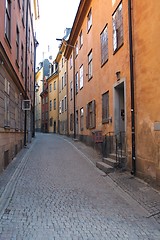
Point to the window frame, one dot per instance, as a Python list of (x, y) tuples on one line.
[(117, 24), (105, 107), (8, 20), (76, 83), (81, 119), (104, 45), (81, 78), (91, 115), (89, 20), (80, 39), (90, 65)]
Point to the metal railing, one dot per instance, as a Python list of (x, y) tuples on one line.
[(115, 144)]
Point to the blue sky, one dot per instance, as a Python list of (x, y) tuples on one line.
[(55, 16)]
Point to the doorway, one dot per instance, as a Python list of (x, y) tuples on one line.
[(119, 108), (54, 127)]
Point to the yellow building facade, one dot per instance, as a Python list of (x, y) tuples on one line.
[(38, 104), (62, 89)]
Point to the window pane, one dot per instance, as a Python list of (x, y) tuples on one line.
[(117, 20), (104, 45)]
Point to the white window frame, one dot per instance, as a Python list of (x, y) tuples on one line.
[(81, 76)]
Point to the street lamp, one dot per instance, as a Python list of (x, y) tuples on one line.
[(74, 85), (35, 47)]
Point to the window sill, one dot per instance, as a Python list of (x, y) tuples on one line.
[(116, 50), (104, 63), (105, 121)]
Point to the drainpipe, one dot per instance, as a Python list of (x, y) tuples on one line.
[(26, 65), (74, 93), (35, 48), (133, 171)]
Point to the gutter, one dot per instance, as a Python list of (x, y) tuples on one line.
[(132, 81)]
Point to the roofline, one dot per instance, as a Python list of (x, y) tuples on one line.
[(80, 15)]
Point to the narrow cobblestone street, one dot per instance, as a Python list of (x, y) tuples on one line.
[(56, 192)]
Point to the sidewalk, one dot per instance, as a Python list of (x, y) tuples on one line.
[(147, 196)]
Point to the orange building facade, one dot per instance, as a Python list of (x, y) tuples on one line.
[(108, 91), (146, 22)]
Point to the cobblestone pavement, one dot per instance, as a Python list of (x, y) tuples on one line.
[(56, 192), (141, 191)]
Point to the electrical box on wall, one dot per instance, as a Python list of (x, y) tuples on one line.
[(26, 105)]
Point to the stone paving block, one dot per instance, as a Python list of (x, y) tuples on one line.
[(64, 196)]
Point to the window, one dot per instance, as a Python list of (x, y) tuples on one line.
[(71, 122), (23, 11), (8, 20), (62, 62), (65, 103), (31, 53), (17, 45), (80, 39), (50, 105), (71, 90), (77, 82), (76, 49), (29, 39), (46, 115), (105, 107), (65, 79), (60, 85), (62, 105), (55, 104), (51, 122), (89, 20), (62, 82), (54, 85), (22, 59), (71, 61), (46, 99), (90, 65), (91, 115), (50, 87), (81, 76), (6, 104), (104, 45), (81, 119), (117, 19)]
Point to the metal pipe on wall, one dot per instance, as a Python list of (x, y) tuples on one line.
[(133, 171)]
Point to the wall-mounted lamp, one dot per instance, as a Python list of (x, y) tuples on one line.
[(118, 75)]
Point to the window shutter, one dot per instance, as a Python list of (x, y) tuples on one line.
[(87, 116), (94, 113)]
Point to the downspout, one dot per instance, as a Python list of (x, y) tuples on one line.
[(26, 65), (74, 93), (35, 48), (133, 171)]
